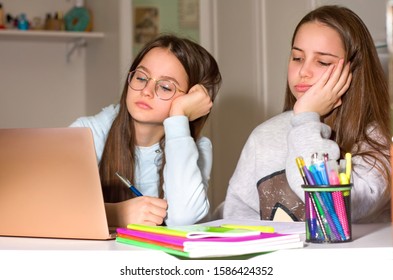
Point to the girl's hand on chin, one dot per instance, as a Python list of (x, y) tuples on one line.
[(325, 95), (195, 104)]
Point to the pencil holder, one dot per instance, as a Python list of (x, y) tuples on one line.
[(328, 213)]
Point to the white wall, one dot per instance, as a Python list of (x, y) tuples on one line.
[(40, 88)]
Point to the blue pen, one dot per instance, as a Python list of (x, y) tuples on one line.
[(320, 172), (128, 184), (315, 174)]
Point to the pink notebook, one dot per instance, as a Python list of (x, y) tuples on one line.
[(209, 246)]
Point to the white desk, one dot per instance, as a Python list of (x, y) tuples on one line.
[(369, 254), (363, 235)]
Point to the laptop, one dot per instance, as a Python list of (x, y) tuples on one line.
[(50, 185)]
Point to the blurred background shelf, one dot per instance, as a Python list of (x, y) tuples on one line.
[(48, 35)]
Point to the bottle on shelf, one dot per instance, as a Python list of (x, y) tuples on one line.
[(36, 24), (48, 24), (58, 22), (10, 22), (2, 20), (23, 23), (79, 18)]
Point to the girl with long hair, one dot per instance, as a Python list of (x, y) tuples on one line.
[(337, 102), (154, 138)]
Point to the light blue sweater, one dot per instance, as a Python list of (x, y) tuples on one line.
[(186, 172)]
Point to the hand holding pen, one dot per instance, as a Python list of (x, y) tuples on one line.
[(129, 185), (144, 210)]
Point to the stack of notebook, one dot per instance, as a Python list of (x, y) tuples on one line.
[(198, 241)]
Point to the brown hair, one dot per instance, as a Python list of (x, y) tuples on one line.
[(119, 151), (365, 105)]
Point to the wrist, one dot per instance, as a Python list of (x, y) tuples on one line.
[(176, 112)]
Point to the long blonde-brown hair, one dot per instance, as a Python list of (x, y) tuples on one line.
[(119, 151), (366, 102)]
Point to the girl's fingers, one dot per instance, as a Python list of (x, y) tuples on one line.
[(346, 85), (159, 202), (157, 210), (336, 76), (343, 83), (338, 103), (325, 78)]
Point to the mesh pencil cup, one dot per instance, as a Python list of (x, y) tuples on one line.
[(328, 213)]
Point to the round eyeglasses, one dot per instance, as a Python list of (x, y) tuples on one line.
[(164, 89)]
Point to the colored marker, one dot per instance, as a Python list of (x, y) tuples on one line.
[(333, 172), (343, 179), (315, 174), (320, 217), (310, 178), (348, 167), (325, 161), (321, 172), (311, 219), (300, 164)]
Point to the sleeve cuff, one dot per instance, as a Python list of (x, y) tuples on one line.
[(305, 117), (176, 126)]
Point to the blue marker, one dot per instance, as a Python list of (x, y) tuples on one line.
[(321, 170), (315, 175), (129, 185)]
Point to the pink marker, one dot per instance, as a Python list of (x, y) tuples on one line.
[(333, 177)]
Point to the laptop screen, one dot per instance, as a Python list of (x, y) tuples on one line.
[(50, 185)]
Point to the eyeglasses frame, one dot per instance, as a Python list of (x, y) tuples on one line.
[(131, 73)]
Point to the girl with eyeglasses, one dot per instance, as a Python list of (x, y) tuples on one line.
[(153, 136), (336, 102)]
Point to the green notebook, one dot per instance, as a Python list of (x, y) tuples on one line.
[(195, 231), (152, 246)]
